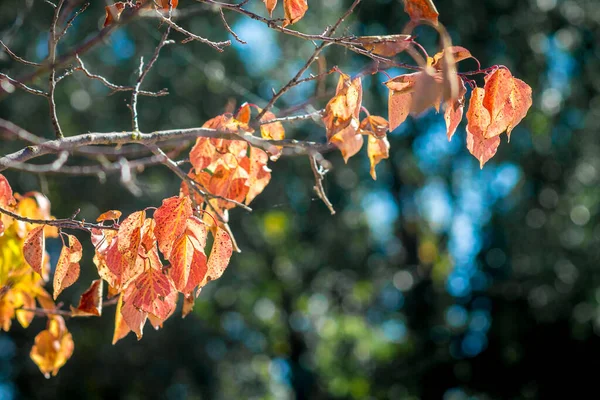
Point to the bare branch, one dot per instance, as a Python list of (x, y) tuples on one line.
[(23, 86), (236, 37), (52, 43), (65, 223), (190, 36), (17, 58), (319, 176)]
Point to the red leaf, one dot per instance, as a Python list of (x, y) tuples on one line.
[(171, 219), (90, 302), (6, 194), (259, 173), (134, 318), (478, 119), (34, 250), (400, 98), (151, 288), (67, 268), (113, 12)]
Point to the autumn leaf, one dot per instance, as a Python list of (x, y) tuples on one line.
[(259, 175), (270, 4), (113, 12), (34, 250), (497, 100), (400, 98), (167, 4), (90, 302), (121, 328), (6, 194), (454, 111), (348, 140), (188, 304), (458, 54), (374, 125), (428, 91), (219, 255), (67, 268), (109, 215), (53, 347), (386, 45), (151, 288), (171, 218), (157, 322), (521, 100), (294, 11), (377, 149), (134, 318), (478, 119), (421, 10), (129, 236)]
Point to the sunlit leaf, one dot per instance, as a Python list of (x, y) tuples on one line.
[(67, 268), (171, 218), (386, 46), (109, 215), (454, 111), (421, 10), (53, 347), (294, 10), (219, 255), (34, 250), (377, 149), (478, 119), (90, 302)]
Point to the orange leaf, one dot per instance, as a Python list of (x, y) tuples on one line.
[(134, 318), (497, 100), (421, 9), (166, 4), (117, 269), (188, 304), (294, 11), (53, 347), (34, 250), (374, 125), (378, 149), (454, 111), (400, 98), (90, 302), (157, 322), (458, 53), (130, 234), (171, 219), (521, 100), (478, 119), (270, 4), (181, 259), (219, 255), (121, 327), (348, 140), (386, 46), (109, 215), (67, 268), (151, 288), (259, 174), (231, 183)]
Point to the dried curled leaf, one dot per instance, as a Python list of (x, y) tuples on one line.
[(67, 268), (90, 302), (454, 111), (378, 149)]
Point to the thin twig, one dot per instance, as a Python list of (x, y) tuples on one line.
[(22, 86), (319, 176), (17, 58), (235, 36), (52, 43), (65, 223), (190, 36)]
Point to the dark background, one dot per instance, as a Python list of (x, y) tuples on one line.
[(438, 280)]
